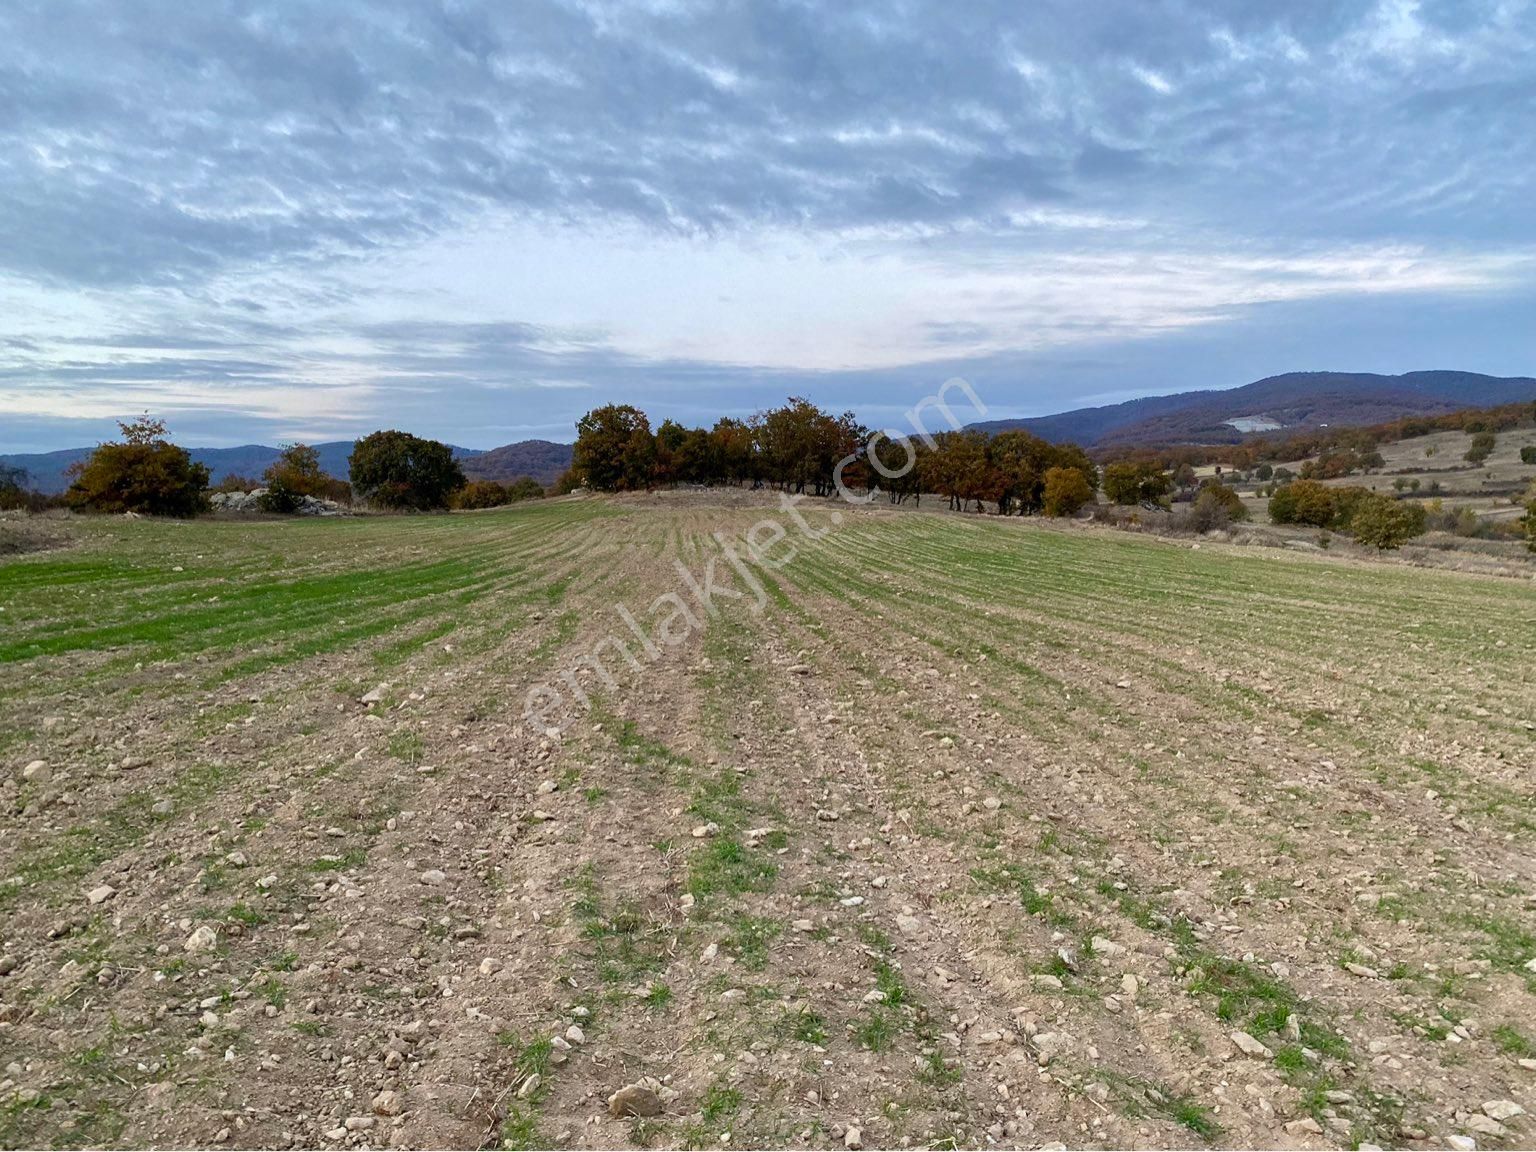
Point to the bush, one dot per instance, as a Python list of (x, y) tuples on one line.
[(1303, 502), (525, 488), (1066, 490), (1217, 495), (1383, 523), (480, 494), (291, 477), (398, 470), (143, 473), (1530, 518), (1528, 454), (1264, 472), (1482, 447)]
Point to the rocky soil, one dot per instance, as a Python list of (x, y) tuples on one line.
[(977, 833)]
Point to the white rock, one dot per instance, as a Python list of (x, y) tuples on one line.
[(1250, 1046), (38, 772), (1103, 947), (853, 1138), (1502, 1109), (237, 859), (387, 1103), (102, 894), (205, 939), (1462, 1143), (908, 925), (374, 694), (432, 876), (575, 1035)]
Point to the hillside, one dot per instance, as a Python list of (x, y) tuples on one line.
[(544, 460), (1293, 401), (541, 459)]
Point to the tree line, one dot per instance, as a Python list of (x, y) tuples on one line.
[(799, 448)]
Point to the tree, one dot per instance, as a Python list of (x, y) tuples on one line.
[(143, 473), (1528, 454), (1264, 472), (1481, 448), (13, 487), (614, 451), (398, 470), (1066, 490), (1303, 502), (291, 477), (1384, 523), (1127, 482)]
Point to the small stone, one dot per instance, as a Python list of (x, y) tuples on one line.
[(1361, 970), (1305, 1124), (1046, 981), (237, 859), (1502, 1109), (205, 939), (701, 831), (634, 1100), (37, 772), (908, 925), (490, 966), (374, 694), (575, 1035), (359, 1123), (162, 807), (387, 1103), (1102, 947), (548, 786), (1250, 1046), (1129, 985), (854, 1137), (529, 1086), (432, 876), (1461, 1143), (102, 894), (1485, 1126)]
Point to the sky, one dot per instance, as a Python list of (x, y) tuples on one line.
[(269, 221)]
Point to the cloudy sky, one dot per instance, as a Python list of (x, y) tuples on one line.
[(272, 220)]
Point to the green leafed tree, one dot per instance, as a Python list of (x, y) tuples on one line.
[(1384, 523), (143, 473), (615, 451), (1066, 490), (1128, 482), (1303, 502), (400, 471)]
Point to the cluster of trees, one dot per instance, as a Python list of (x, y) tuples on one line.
[(1370, 517), (1530, 517), (795, 447), (800, 448), (145, 473)]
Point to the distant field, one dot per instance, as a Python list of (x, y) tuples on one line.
[(977, 831)]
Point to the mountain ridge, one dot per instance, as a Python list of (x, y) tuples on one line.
[(1293, 401)]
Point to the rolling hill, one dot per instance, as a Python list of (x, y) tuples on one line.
[(1292, 402)]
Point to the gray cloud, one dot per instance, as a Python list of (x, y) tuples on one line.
[(160, 142)]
